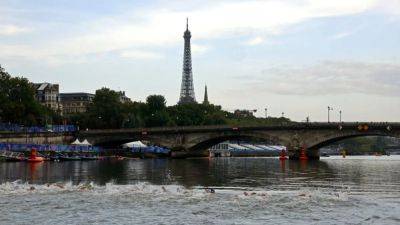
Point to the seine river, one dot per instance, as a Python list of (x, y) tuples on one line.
[(354, 190)]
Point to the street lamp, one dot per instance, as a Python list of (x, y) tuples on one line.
[(283, 114), (329, 109), (340, 116), (266, 113)]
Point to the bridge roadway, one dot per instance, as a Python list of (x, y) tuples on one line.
[(194, 140)]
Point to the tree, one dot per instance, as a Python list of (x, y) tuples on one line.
[(134, 114), (18, 103), (194, 114), (105, 111), (156, 103), (156, 114)]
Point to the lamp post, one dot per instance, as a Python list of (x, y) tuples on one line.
[(266, 113), (329, 109), (283, 115), (340, 116)]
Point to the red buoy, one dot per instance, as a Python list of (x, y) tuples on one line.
[(283, 155), (303, 155), (33, 157)]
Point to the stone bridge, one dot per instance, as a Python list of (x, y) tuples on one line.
[(194, 141)]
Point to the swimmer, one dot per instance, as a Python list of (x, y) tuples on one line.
[(59, 186), (210, 190), (163, 188), (32, 188), (246, 194), (85, 187)]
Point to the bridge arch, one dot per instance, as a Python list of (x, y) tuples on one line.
[(214, 141), (336, 138), (206, 142), (118, 141)]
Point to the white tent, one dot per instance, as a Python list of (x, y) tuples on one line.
[(76, 142), (135, 144), (85, 142)]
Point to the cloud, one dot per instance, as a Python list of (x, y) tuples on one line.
[(391, 7), (330, 78), (8, 30), (255, 41), (140, 54), (162, 25), (199, 49), (340, 35)]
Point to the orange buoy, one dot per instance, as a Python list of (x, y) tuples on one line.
[(283, 155), (33, 157)]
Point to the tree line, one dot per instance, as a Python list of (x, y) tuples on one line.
[(18, 105), (107, 111)]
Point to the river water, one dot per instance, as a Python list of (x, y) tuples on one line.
[(354, 190)]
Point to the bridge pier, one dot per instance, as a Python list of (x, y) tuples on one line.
[(313, 154), (294, 153)]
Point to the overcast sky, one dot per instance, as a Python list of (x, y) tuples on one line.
[(296, 56)]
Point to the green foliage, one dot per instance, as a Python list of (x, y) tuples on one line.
[(156, 103), (106, 111), (18, 104), (197, 114)]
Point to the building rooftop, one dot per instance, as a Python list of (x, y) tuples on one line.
[(76, 93)]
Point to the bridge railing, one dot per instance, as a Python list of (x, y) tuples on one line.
[(302, 125), (16, 128), (57, 148)]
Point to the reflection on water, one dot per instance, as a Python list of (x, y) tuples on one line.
[(355, 190), (244, 172)]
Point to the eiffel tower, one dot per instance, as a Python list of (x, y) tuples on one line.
[(187, 88)]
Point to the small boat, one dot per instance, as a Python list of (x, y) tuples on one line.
[(12, 156), (89, 158), (14, 159), (69, 158)]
